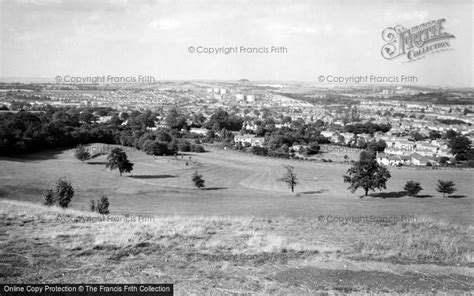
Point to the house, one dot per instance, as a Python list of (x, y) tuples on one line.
[(249, 125), (403, 145), (347, 137), (249, 139), (199, 131), (426, 148), (391, 160), (327, 134), (420, 160)]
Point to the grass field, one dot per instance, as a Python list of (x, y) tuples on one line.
[(245, 233), (237, 184)]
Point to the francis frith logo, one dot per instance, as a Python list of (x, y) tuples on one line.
[(416, 42)]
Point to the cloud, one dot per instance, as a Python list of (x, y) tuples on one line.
[(406, 17), (290, 29), (165, 24)]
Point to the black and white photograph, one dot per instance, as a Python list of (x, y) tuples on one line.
[(236, 147)]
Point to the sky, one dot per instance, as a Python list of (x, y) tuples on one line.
[(46, 38)]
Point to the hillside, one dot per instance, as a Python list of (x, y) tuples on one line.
[(233, 255)]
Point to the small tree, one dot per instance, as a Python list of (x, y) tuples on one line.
[(412, 188), (93, 206), (313, 148), (64, 192), (49, 197), (117, 159), (82, 153), (103, 205), (290, 177), (446, 187), (198, 180), (366, 174)]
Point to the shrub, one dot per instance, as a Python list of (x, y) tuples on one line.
[(49, 197), (198, 180), (81, 153), (103, 205), (412, 188), (446, 187), (184, 146), (197, 148), (312, 149), (93, 206), (64, 192)]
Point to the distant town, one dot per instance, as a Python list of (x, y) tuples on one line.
[(405, 125)]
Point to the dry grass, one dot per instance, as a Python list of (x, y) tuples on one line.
[(427, 240), (421, 241), (220, 254)]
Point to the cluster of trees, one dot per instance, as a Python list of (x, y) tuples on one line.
[(61, 194), (278, 141), (26, 132), (367, 128), (223, 120), (445, 187), (100, 206)]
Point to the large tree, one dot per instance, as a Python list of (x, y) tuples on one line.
[(117, 159), (367, 174)]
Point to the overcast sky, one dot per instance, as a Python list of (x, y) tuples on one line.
[(40, 38)]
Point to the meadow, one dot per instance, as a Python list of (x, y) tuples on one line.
[(245, 233), (237, 184)]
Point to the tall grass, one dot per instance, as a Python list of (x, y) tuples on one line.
[(421, 241)]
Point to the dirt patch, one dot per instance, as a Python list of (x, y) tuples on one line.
[(373, 281)]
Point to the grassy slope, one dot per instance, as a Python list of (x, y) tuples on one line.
[(239, 185), (284, 255)]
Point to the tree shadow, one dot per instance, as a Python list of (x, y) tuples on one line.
[(151, 176), (314, 192), (394, 194), (214, 188), (423, 196), (33, 157), (456, 196), (97, 162)]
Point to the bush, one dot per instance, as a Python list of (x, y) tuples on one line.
[(93, 206), (81, 153), (49, 197), (103, 205), (198, 180), (312, 149), (184, 146), (197, 148), (259, 151), (446, 187), (62, 194), (412, 188)]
